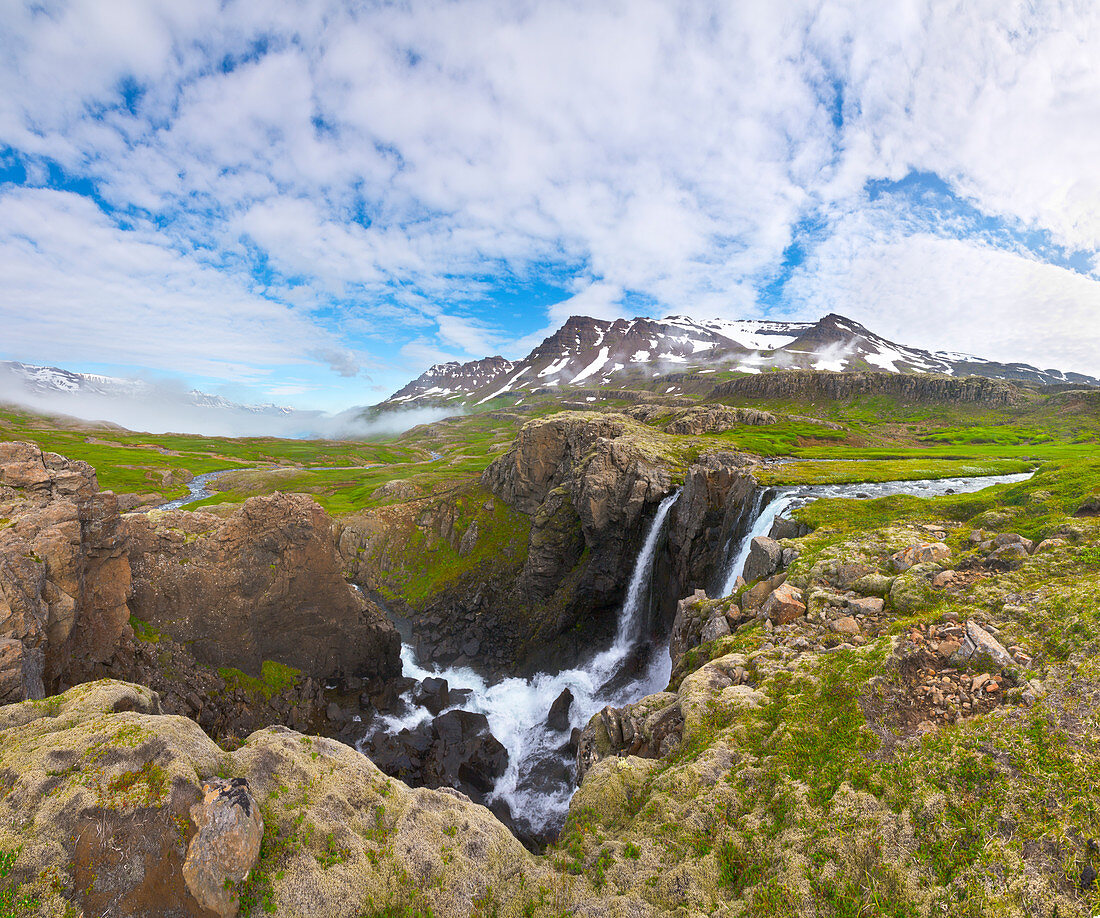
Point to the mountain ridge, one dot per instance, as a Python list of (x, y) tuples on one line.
[(639, 351)]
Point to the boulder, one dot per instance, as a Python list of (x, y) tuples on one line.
[(432, 693), (979, 647), (785, 528), (845, 625), (934, 552), (784, 605), (765, 557), (866, 605), (753, 599), (226, 847), (911, 591), (263, 584), (1008, 557), (454, 749), (558, 718), (874, 584), (1012, 538)]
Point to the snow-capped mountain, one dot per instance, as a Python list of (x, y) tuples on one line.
[(446, 379), (53, 381), (590, 352)]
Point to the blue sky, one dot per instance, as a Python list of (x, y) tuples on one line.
[(311, 203)]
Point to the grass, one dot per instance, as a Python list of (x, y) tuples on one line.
[(854, 471), (275, 678), (13, 900), (427, 562), (1032, 508)]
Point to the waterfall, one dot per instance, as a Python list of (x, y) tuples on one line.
[(767, 505), (517, 708), (771, 503), (632, 615)]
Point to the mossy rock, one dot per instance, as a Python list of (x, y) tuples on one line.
[(912, 591)]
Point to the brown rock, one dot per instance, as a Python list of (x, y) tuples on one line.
[(64, 575), (866, 605), (765, 558), (948, 647), (226, 846), (784, 605), (845, 625), (263, 584), (1009, 556), (943, 579), (753, 599), (920, 554)]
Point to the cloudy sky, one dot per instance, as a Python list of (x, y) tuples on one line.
[(310, 202)]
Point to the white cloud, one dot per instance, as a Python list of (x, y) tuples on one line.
[(951, 294), (379, 167), (77, 287)]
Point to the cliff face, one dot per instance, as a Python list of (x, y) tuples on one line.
[(64, 574), (802, 384), (713, 512), (588, 472), (264, 584)]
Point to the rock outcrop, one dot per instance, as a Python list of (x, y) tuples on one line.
[(263, 584), (821, 384), (717, 419), (64, 573), (225, 849), (650, 728), (714, 511), (589, 483), (116, 809)]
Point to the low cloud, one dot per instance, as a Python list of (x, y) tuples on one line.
[(361, 425), (340, 361), (167, 406)]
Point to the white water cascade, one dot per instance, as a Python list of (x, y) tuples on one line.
[(538, 783), (784, 499)]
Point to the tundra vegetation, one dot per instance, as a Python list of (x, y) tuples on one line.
[(850, 759)]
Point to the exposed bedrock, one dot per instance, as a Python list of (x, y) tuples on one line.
[(64, 574), (582, 490), (714, 510), (591, 486), (912, 387), (265, 583), (114, 808)]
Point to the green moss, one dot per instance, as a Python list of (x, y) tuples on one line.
[(275, 678), (144, 631), (145, 786), (14, 898)]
